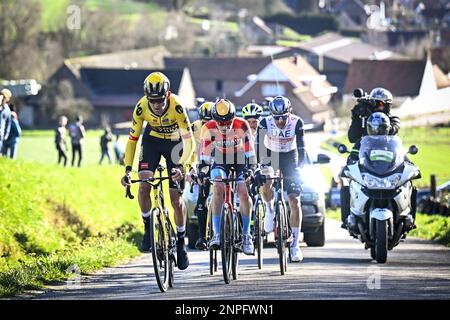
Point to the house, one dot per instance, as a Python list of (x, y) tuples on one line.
[(294, 78), (403, 78), (331, 54), (218, 77), (114, 92)]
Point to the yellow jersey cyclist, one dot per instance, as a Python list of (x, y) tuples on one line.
[(167, 126), (201, 209)]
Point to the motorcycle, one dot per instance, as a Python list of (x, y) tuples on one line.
[(381, 190)]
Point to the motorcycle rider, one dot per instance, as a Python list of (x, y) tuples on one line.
[(379, 100)]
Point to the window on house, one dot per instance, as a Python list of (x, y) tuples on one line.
[(272, 89), (219, 85)]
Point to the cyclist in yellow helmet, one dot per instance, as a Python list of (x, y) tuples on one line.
[(167, 126)]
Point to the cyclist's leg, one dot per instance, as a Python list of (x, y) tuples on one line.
[(217, 171), (166, 147), (201, 212), (245, 206), (268, 199), (292, 185), (148, 161)]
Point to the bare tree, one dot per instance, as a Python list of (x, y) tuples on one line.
[(19, 20)]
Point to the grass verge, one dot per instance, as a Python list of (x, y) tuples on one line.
[(55, 218)]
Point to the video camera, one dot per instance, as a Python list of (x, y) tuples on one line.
[(364, 105)]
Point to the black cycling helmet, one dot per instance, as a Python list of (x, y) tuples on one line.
[(280, 105), (378, 124), (205, 110)]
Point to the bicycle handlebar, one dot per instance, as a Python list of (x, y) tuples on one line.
[(150, 181)]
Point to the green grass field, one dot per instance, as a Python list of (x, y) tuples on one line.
[(54, 12), (53, 217)]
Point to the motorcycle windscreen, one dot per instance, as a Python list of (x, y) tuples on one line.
[(381, 154)]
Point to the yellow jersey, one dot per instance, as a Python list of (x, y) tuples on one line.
[(173, 124)]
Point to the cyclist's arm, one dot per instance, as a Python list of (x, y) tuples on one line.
[(205, 148), (249, 145), (300, 136), (133, 138), (186, 135)]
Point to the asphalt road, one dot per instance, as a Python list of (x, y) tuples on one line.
[(342, 269)]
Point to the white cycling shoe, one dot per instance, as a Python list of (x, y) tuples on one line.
[(296, 254), (214, 244), (249, 248)]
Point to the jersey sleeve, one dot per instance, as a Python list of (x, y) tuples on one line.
[(205, 145), (135, 131), (186, 135)]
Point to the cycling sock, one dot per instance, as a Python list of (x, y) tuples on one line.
[(145, 214), (296, 232), (181, 229), (216, 224), (245, 225)]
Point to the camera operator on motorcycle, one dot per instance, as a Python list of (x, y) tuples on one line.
[(379, 100)]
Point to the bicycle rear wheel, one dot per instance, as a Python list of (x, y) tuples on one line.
[(160, 252), (258, 231), (280, 213), (226, 242)]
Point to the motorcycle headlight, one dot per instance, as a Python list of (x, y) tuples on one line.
[(372, 182)]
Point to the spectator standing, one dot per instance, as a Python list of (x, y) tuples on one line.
[(77, 134), (104, 141), (60, 140), (5, 116), (119, 150), (10, 144)]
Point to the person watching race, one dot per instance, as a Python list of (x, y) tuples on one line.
[(284, 139), (167, 125), (227, 142)]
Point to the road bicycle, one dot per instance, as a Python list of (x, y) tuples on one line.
[(163, 238)]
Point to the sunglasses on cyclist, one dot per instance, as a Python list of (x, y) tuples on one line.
[(157, 101), (282, 117), (224, 124)]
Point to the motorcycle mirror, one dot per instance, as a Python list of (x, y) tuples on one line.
[(342, 148), (322, 159), (413, 149), (358, 93)]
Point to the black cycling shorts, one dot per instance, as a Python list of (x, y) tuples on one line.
[(152, 149), (287, 164)]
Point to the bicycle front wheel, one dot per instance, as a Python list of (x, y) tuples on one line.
[(237, 241), (258, 231), (226, 242), (160, 252), (280, 214)]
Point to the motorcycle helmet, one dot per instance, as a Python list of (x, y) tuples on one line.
[(378, 124)]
